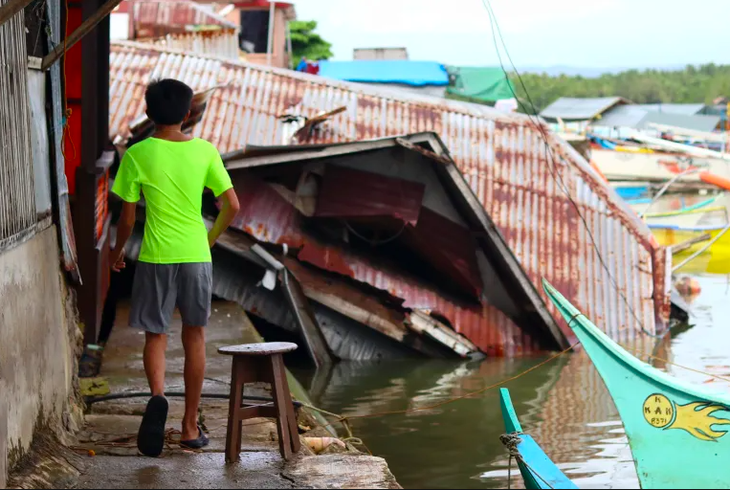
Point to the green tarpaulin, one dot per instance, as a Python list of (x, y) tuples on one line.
[(481, 84)]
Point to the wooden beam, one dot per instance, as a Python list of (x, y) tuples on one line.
[(11, 8), (86, 27), (681, 247)]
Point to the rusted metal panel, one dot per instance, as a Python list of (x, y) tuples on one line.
[(155, 18), (268, 217), (222, 43), (17, 188), (609, 266), (348, 193)]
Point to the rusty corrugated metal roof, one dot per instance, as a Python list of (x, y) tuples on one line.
[(270, 217), (502, 156), (222, 43), (155, 18)]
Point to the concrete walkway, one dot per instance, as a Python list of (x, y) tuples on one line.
[(112, 426)]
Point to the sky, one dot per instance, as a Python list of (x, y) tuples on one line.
[(538, 33)]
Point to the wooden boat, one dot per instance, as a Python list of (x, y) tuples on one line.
[(538, 471), (710, 217), (655, 167), (678, 432)]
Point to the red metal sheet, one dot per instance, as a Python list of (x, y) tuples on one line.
[(449, 247), (349, 193), (607, 266)]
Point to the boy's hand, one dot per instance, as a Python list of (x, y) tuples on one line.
[(116, 259)]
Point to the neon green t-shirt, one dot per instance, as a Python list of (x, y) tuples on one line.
[(172, 176)]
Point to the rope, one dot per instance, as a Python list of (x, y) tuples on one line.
[(463, 397), (511, 443), (693, 370), (639, 355)]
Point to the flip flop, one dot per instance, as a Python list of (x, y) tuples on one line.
[(151, 438), (199, 443)]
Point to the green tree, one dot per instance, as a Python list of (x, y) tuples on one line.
[(693, 84), (307, 43)]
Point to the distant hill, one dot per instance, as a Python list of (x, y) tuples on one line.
[(588, 72), (691, 84)]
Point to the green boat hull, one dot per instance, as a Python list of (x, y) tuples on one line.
[(677, 432)]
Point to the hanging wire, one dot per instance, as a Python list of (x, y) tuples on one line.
[(497, 31)]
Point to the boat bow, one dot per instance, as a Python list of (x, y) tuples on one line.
[(677, 432)]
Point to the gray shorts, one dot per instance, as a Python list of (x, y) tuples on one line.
[(159, 288)]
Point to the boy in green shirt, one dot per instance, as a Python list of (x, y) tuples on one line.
[(172, 170)]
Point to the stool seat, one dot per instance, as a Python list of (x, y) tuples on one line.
[(265, 349)]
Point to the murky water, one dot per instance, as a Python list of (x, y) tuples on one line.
[(564, 405)]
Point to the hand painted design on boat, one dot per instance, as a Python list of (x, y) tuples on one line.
[(696, 418)]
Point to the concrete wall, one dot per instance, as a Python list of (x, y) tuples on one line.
[(38, 339)]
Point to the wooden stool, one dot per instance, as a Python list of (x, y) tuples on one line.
[(254, 363)]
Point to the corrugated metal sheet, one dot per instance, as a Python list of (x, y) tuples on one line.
[(683, 109), (154, 18), (349, 193), (17, 190), (576, 109), (268, 217), (223, 43), (502, 156)]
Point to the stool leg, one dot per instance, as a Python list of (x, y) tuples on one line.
[(278, 383), (235, 424), (291, 417)]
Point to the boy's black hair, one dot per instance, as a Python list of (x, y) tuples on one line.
[(168, 101)]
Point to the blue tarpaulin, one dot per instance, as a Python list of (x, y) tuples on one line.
[(415, 73)]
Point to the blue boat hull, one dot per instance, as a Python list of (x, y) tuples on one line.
[(538, 471)]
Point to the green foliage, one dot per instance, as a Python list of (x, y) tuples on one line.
[(307, 43), (694, 84)]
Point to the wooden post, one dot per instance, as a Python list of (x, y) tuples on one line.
[(11, 8), (86, 27), (272, 27)]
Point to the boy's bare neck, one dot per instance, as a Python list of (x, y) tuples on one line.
[(171, 133)]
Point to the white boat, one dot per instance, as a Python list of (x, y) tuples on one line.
[(655, 167)]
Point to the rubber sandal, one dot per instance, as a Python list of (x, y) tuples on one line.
[(199, 443), (151, 437)]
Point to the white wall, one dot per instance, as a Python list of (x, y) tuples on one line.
[(38, 339), (39, 140), (119, 26)]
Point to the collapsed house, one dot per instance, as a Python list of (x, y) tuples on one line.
[(553, 216)]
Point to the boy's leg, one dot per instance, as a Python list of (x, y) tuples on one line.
[(194, 342), (195, 287), (153, 302), (154, 362)]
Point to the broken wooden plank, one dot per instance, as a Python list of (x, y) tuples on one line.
[(686, 245), (425, 324), (316, 344)]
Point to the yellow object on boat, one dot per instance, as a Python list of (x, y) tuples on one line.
[(633, 149)]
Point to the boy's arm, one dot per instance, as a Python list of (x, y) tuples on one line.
[(124, 231), (229, 210)]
